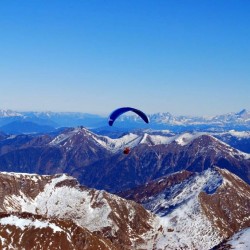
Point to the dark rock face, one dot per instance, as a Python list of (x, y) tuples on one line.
[(146, 163), (229, 207), (42, 155), (241, 142), (142, 193), (86, 156)]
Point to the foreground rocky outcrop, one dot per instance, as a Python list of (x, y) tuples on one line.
[(184, 210), (199, 209), (123, 224)]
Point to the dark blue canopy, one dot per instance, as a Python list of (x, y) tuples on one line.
[(116, 113)]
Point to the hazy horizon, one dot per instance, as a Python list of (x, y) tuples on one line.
[(129, 113)]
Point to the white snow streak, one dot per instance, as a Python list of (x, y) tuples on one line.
[(24, 223)]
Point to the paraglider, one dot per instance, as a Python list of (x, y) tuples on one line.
[(116, 113)]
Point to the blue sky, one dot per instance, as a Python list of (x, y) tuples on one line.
[(185, 57)]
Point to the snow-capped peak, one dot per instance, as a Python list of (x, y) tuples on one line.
[(239, 134), (186, 138), (9, 113), (115, 145)]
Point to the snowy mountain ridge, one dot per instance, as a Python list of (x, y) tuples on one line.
[(200, 211), (157, 120), (183, 218), (180, 210), (188, 220), (132, 140), (9, 113), (62, 197)]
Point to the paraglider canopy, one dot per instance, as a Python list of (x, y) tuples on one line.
[(116, 113)]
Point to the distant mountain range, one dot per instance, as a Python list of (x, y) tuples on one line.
[(52, 120)]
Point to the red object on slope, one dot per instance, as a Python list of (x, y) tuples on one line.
[(126, 151)]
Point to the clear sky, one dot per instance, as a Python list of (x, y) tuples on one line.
[(185, 57)]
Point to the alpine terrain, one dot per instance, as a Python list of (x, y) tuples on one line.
[(74, 188), (181, 211)]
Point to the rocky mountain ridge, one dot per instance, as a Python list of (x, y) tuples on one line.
[(70, 215), (215, 202), (123, 223), (97, 161)]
